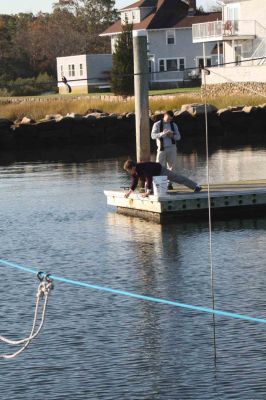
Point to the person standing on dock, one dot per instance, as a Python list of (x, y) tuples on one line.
[(145, 171), (166, 134)]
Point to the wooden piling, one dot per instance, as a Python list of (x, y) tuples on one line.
[(141, 83)]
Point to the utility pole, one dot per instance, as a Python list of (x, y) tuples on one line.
[(141, 83)]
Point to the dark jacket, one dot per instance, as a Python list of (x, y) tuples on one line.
[(145, 171)]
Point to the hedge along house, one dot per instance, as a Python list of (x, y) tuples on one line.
[(242, 36), (169, 33), (84, 73)]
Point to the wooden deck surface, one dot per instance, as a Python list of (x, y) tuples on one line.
[(233, 197)]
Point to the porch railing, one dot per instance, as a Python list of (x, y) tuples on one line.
[(223, 29)]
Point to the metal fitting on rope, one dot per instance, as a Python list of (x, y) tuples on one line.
[(40, 275), (46, 284)]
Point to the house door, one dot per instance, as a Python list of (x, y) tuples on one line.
[(238, 55), (233, 16)]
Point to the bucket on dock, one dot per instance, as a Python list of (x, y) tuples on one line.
[(160, 185)]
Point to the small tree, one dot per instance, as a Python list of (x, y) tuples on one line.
[(122, 76)]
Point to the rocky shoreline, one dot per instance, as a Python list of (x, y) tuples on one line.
[(96, 128)]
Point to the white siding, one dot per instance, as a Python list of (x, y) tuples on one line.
[(88, 69), (135, 15), (70, 64), (238, 74), (253, 10)]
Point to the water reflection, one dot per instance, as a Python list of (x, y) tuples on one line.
[(54, 216)]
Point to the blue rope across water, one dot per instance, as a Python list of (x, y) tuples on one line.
[(138, 296)]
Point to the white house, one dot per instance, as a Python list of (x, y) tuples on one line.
[(171, 52), (242, 36), (83, 73)]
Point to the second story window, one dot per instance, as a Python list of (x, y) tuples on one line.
[(81, 69), (71, 70), (62, 70), (127, 17), (170, 37)]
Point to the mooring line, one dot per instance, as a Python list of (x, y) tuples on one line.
[(138, 296), (209, 213)]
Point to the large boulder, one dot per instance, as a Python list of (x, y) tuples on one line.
[(27, 121), (197, 109), (74, 116), (55, 117)]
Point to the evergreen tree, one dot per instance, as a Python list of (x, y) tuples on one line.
[(123, 64)]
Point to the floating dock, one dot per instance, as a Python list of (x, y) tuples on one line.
[(236, 199)]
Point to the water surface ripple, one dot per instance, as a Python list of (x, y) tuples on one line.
[(101, 346)]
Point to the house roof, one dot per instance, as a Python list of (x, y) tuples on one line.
[(141, 3), (167, 14), (188, 21)]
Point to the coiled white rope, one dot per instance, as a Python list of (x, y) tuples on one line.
[(43, 292)]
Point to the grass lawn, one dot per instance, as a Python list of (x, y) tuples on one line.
[(73, 95), (63, 104), (175, 91)]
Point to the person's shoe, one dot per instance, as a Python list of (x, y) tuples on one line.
[(197, 189), (170, 186)]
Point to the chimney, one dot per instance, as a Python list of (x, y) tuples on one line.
[(192, 7)]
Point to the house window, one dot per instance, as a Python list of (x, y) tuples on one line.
[(181, 64), (231, 26), (71, 70), (233, 12), (208, 62), (170, 37), (81, 69), (161, 66), (136, 16), (127, 18), (62, 70), (171, 65)]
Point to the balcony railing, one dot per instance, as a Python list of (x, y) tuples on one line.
[(167, 76), (222, 30)]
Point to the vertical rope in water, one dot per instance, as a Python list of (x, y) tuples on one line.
[(209, 212)]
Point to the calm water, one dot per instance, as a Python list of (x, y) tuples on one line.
[(99, 346)]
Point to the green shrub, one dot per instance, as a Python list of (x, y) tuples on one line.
[(123, 65), (43, 83)]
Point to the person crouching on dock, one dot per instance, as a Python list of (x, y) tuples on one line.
[(145, 171)]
